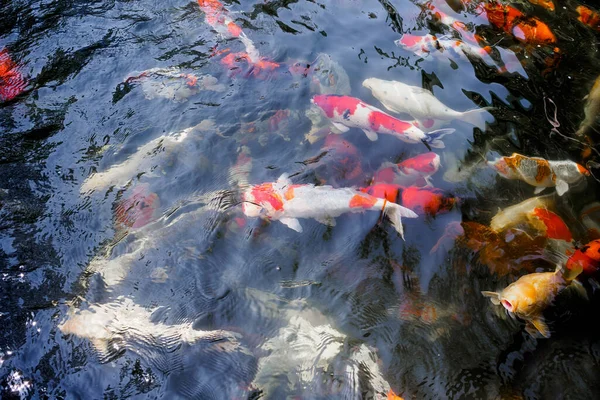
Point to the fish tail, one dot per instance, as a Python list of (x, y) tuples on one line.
[(476, 117), (395, 212), (433, 137)]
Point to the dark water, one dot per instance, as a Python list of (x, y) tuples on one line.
[(200, 302)]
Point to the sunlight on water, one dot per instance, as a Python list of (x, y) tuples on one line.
[(296, 199)]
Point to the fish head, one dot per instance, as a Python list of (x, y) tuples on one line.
[(501, 166)]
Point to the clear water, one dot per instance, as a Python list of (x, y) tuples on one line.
[(197, 301)]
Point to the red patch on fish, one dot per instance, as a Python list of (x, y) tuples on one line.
[(138, 209), (378, 120), (360, 201), (259, 69), (12, 82), (588, 17), (410, 40), (426, 163), (265, 194), (588, 257), (340, 104), (555, 226), (385, 175), (426, 200), (383, 191)]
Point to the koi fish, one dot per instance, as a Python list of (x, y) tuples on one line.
[(535, 212), (416, 170), (588, 17), (172, 83), (512, 21), (138, 209), (539, 172), (420, 103), (12, 82), (393, 396), (258, 67), (547, 4), (529, 296), (591, 109), (347, 112), (590, 219), (451, 22), (587, 258), (285, 202), (217, 16), (423, 201)]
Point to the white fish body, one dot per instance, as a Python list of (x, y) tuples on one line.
[(420, 103)]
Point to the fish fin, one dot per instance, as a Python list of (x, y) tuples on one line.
[(292, 223), (340, 127), (433, 137), (427, 180), (475, 117), (561, 187), (326, 220), (282, 183), (494, 297), (579, 289), (395, 213), (540, 324), (586, 97), (538, 189), (372, 135)]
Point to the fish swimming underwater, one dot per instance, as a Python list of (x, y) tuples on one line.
[(420, 103), (535, 212), (587, 257), (285, 202), (540, 172), (588, 17), (591, 109), (529, 296), (423, 201), (12, 82), (413, 171), (347, 112)]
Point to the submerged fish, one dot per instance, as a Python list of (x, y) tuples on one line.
[(172, 83), (249, 66), (423, 201), (420, 103), (346, 112), (529, 296), (536, 214), (540, 172), (285, 202), (413, 171), (587, 258), (591, 109), (588, 17), (12, 82)]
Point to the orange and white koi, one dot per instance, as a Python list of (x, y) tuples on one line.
[(540, 172), (12, 82), (285, 202), (138, 209), (347, 112), (450, 21), (218, 18), (420, 103), (531, 294), (423, 201), (536, 214), (413, 171)]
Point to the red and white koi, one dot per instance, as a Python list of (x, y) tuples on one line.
[(218, 18), (420, 103), (413, 171), (285, 202), (347, 112), (540, 172)]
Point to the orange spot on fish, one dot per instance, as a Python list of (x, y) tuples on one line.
[(362, 201), (582, 170), (426, 200), (589, 17), (12, 82), (265, 194), (393, 396), (383, 191), (588, 257), (379, 120)]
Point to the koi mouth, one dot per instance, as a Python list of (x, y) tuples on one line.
[(507, 304)]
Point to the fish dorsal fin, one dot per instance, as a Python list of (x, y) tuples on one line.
[(494, 297), (326, 220), (561, 187), (292, 223), (540, 324), (539, 189), (282, 183)]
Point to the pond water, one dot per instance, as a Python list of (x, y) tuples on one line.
[(133, 132)]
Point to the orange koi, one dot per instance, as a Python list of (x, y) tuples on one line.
[(547, 4), (587, 258), (588, 17), (139, 209), (12, 82)]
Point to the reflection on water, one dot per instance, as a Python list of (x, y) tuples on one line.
[(134, 263)]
